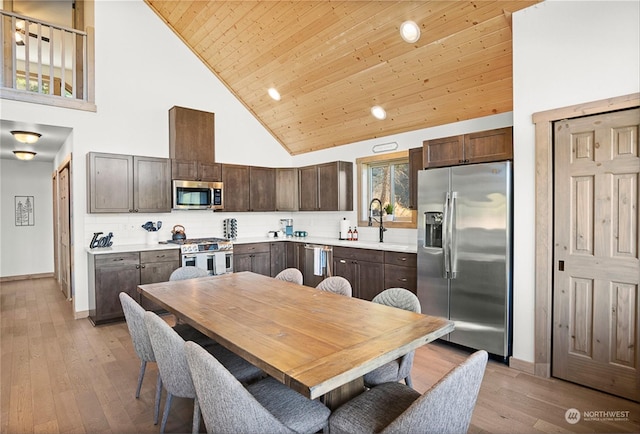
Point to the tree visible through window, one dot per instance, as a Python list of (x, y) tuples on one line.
[(385, 177), (389, 182)]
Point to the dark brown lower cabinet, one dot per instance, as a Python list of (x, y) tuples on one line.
[(255, 257), (363, 268), (400, 271), (112, 273), (157, 266), (278, 251)]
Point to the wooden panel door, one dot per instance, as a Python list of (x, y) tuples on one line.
[(596, 266), (191, 135), (262, 188), (287, 189), (415, 165), (443, 152), (486, 146), (64, 226), (110, 179), (308, 178), (152, 184), (236, 187)]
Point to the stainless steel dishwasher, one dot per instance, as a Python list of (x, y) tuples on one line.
[(318, 260)]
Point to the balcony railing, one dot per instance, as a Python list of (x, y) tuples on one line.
[(41, 58)]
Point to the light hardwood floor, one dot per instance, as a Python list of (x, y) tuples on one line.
[(64, 375)]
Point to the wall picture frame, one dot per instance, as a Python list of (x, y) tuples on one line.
[(24, 209)]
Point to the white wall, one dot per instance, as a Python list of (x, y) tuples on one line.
[(565, 53), (142, 70), (26, 249)]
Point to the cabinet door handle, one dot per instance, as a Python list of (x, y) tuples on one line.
[(342, 261), (137, 267), (403, 259), (143, 266), (404, 279)]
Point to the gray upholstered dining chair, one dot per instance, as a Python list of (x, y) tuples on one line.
[(336, 284), (168, 348), (134, 316), (446, 407), (399, 369), (188, 272), (267, 406), (290, 275)]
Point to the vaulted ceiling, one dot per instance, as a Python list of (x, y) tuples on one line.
[(331, 61)]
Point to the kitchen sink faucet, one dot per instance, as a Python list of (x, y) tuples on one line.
[(382, 228)]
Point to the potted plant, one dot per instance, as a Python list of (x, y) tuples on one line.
[(388, 209)]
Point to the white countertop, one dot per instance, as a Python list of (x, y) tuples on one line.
[(390, 247), (125, 248)]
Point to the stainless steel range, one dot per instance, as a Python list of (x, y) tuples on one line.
[(212, 254)]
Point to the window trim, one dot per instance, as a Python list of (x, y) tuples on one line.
[(362, 165)]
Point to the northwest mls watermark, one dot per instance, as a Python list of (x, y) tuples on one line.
[(574, 416)]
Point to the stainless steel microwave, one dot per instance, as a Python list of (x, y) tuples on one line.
[(197, 195)]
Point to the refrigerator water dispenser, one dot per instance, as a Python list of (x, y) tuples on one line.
[(433, 229)]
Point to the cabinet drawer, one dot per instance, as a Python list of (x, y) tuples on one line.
[(358, 254), (241, 249), (168, 255), (117, 259), (403, 259), (396, 276)]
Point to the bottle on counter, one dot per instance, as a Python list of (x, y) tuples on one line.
[(350, 234), (354, 235)]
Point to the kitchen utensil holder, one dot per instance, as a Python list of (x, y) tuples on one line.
[(230, 228)]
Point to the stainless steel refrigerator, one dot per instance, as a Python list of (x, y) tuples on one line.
[(465, 252)]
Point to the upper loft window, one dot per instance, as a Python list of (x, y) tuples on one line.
[(49, 56)]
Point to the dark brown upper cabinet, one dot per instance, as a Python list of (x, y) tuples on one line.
[(326, 187), (192, 145), (480, 147)]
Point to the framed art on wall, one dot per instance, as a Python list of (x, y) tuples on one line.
[(24, 211)]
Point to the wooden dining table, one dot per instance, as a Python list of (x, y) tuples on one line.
[(316, 342)]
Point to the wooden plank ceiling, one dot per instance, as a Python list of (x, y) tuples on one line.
[(333, 60)]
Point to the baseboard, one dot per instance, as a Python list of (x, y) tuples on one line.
[(522, 365), (81, 314), (26, 277)]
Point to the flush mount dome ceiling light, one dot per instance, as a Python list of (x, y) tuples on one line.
[(274, 94), (410, 32), (26, 136), (378, 112), (24, 155)]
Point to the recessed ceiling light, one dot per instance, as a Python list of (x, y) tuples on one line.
[(273, 93), (378, 112), (410, 32), (24, 155), (26, 136)]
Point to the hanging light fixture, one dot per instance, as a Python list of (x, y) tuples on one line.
[(24, 155), (26, 136)]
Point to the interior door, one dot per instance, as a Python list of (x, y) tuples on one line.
[(596, 266), (64, 228)]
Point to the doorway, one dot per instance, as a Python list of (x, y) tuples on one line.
[(544, 216), (62, 229), (596, 272)]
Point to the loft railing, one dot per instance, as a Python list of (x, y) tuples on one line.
[(43, 58)]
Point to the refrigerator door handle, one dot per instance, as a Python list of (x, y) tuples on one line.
[(446, 238), (453, 248)]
